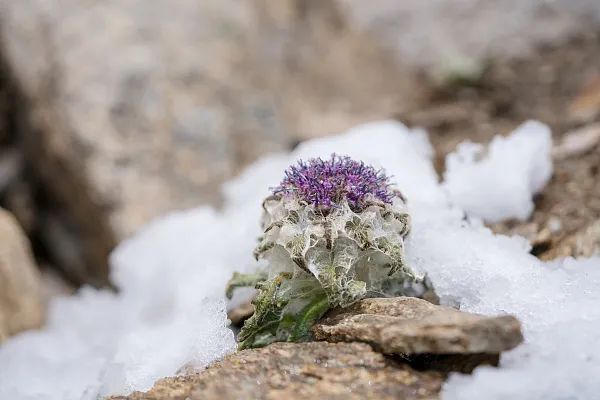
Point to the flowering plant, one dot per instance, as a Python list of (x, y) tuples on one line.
[(333, 233)]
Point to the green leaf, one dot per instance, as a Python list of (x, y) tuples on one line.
[(244, 280), (286, 309)]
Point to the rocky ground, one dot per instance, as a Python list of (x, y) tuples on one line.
[(300, 371)]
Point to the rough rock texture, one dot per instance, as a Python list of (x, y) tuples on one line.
[(408, 326), (317, 370), (21, 305), (427, 337)]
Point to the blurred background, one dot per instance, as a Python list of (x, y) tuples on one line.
[(115, 112)]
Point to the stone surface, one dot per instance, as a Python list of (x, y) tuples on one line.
[(409, 326), (578, 142), (134, 108), (21, 304), (585, 107), (585, 242), (241, 313), (316, 370)]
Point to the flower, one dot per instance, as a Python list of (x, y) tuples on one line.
[(351, 249), (326, 183)]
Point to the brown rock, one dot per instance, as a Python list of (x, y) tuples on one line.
[(409, 326), (316, 370), (241, 313), (585, 242), (21, 305), (578, 142), (586, 105)]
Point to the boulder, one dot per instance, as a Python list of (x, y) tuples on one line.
[(21, 303), (130, 109), (133, 108)]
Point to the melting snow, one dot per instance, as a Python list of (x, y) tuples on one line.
[(171, 310), (497, 184)]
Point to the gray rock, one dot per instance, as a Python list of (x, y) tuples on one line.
[(411, 326), (134, 108), (21, 304), (315, 370)]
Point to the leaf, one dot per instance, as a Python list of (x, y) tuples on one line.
[(244, 280), (286, 309)]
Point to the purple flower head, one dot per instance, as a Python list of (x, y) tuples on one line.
[(325, 183)]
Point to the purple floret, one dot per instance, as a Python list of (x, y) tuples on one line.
[(325, 183)]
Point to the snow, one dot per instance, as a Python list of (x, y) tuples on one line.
[(498, 184), (170, 310)]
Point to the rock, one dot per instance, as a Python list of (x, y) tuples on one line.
[(585, 107), (146, 117), (578, 142), (454, 49), (21, 305), (154, 113), (10, 167), (411, 326), (587, 243), (241, 313), (316, 370)]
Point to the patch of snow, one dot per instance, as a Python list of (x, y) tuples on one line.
[(499, 182), (171, 310), (558, 306)]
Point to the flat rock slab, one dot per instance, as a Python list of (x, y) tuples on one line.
[(318, 370), (411, 326)]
